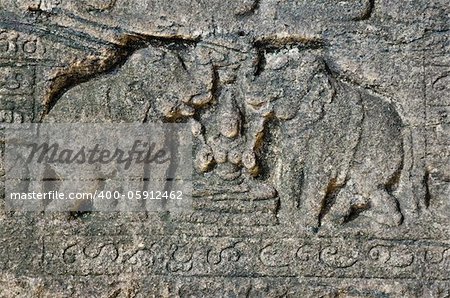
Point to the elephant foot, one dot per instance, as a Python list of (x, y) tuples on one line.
[(386, 218), (334, 220), (385, 209), (310, 225), (381, 208), (347, 201), (383, 218)]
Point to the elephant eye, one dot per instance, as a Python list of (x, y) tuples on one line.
[(135, 85), (276, 95), (258, 106), (255, 102)]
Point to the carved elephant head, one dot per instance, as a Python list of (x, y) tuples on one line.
[(291, 83)]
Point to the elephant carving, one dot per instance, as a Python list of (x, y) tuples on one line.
[(341, 146)]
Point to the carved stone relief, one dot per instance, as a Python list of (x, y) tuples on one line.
[(320, 146)]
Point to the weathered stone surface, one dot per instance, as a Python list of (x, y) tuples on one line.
[(321, 145)]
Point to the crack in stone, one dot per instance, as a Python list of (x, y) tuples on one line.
[(271, 44), (368, 12), (251, 11), (111, 59)]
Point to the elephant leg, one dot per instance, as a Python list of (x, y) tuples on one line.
[(374, 199), (384, 208), (312, 199), (379, 160), (341, 209), (319, 176), (289, 182)]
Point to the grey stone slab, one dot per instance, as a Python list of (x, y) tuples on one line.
[(320, 141)]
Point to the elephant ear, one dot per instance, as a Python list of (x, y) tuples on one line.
[(310, 105), (320, 93)]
